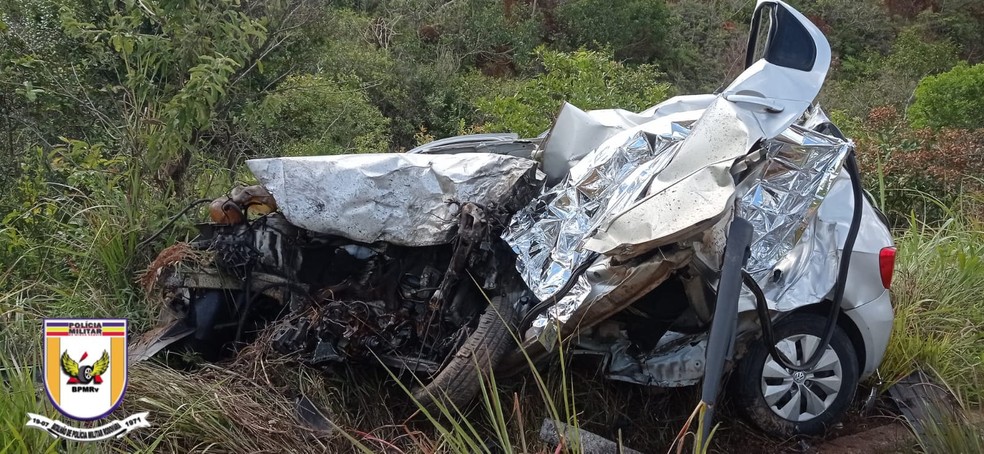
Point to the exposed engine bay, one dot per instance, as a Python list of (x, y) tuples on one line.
[(336, 300)]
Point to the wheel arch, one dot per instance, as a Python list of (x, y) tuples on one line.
[(845, 323)]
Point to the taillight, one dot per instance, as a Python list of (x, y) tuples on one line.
[(886, 264)]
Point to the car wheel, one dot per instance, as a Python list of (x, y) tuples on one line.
[(787, 403), (461, 379), (85, 375)]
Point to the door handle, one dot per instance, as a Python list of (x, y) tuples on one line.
[(769, 105)]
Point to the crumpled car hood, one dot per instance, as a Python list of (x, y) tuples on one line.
[(398, 198)]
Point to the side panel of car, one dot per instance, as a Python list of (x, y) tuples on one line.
[(873, 320)]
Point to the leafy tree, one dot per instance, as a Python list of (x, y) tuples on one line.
[(852, 27), (914, 55), (587, 79), (960, 21), (112, 101), (952, 99), (176, 61)]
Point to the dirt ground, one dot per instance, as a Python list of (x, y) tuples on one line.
[(647, 419)]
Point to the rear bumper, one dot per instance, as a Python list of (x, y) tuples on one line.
[(874, 321)]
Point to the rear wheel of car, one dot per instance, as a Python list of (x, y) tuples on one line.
[(784, 402), (460, 380)]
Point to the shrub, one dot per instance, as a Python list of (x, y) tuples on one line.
[(316, 115), (709, 39), (871, 79), (636, 29), (587, 79), (421, 64), (924, 170), (849, 25), (914, 54), (951, 99)]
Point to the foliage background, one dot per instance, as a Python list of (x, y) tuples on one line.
[(115, 114)]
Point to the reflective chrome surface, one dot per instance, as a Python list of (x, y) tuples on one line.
[(399, 198), (801, 396)]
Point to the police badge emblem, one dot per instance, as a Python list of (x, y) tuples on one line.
[(85, 363), (85, 366)]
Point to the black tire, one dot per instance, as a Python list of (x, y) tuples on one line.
[(800, 402), (459, 382), (85, 375)]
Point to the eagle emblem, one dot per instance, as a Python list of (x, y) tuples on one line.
[(84, 374)]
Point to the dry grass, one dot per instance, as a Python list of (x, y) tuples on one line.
[(248, 405)]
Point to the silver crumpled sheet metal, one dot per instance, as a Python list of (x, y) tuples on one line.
[(779, 195), (575, 133), (403, 199), (693, 192), (793, 253), (548, 234)]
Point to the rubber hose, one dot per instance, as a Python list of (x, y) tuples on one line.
[(839, 285)]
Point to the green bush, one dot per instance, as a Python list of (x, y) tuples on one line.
[(587, 79), (316, 115), (915, 55), (961, 21), (851, 25), (709, 40), (951, 99), (871, 79), (635, 29), (423, 68), (916, 170)]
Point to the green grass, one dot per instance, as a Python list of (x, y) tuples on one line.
[(938, 293), (19, 398), (946, 432)]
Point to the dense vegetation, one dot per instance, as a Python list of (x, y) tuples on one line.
[(114, 115)]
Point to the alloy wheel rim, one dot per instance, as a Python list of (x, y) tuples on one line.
[(801, 396)]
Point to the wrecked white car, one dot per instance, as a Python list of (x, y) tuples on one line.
[(708, 233)]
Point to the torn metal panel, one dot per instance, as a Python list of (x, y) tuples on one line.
[(794, 254), (547, 235), (695, 204), (925, 403), (497, 143), (559, 434), (680, 104), (605, 289), (782, 193), (640, 190), (617, 287), (814, 118), (403, 199), (677, 361), (470, 140), (157, 339), (690, 194), (575, 133), (601, 197)]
